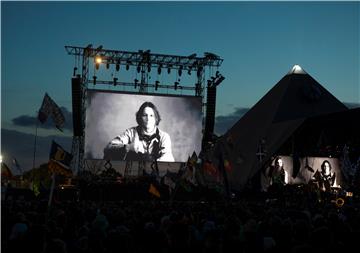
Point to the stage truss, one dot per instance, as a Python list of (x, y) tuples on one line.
[(144, 62)]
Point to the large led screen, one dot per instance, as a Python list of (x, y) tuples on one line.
[(134, 127)]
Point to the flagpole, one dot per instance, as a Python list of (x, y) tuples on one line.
[(34, 155)]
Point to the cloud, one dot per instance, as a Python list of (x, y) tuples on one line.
[(225, 122), (15, 144), (29, 121)]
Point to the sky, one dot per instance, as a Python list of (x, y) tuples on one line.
[(259, 42)]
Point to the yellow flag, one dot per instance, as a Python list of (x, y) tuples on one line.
[(154, 191)]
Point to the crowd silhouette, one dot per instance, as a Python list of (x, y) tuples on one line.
[(293, 220)]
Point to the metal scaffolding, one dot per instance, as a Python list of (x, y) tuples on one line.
[(144, 61)]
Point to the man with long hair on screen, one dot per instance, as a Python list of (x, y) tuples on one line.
[(145, 142)]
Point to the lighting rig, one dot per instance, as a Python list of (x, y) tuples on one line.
[(143, 61)]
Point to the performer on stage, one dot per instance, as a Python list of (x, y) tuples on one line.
[(145, 142), (277, 174), (324, 178)]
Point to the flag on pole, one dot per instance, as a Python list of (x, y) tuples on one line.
[(50, 108), (17, 165), (154, 191), (59, 154), (59, 160)]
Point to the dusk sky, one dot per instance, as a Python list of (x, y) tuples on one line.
[(259, 42)]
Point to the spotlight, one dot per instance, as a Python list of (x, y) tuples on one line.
[(107, 65), (169, 69), (176, 85), (115, 81), (159, 69), (127, 66), (136, 82), (180, 70), (98, 60), (74, 73), (117, 66), (156, 85), (94, 77)]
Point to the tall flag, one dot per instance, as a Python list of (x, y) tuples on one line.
[(59, 160), (50, 108), (59, 154)]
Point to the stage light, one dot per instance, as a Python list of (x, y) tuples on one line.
[(136, 82), (97, 62), (117, 66), (180, 70), (176, 85), (127, 66), (169, 69), (115, 81), (98, 59), (107, 65), (156, 85), (94, 78), (74, 73)]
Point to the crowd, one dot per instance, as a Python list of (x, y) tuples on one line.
[(293, 221)]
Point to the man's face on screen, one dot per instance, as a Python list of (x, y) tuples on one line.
[(148, 119)]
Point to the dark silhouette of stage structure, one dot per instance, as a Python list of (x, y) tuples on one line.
[(145, 63)]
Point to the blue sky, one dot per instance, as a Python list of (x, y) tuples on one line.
[(259, 42)]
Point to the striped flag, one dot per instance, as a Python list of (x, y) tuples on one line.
[(50, 108)]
